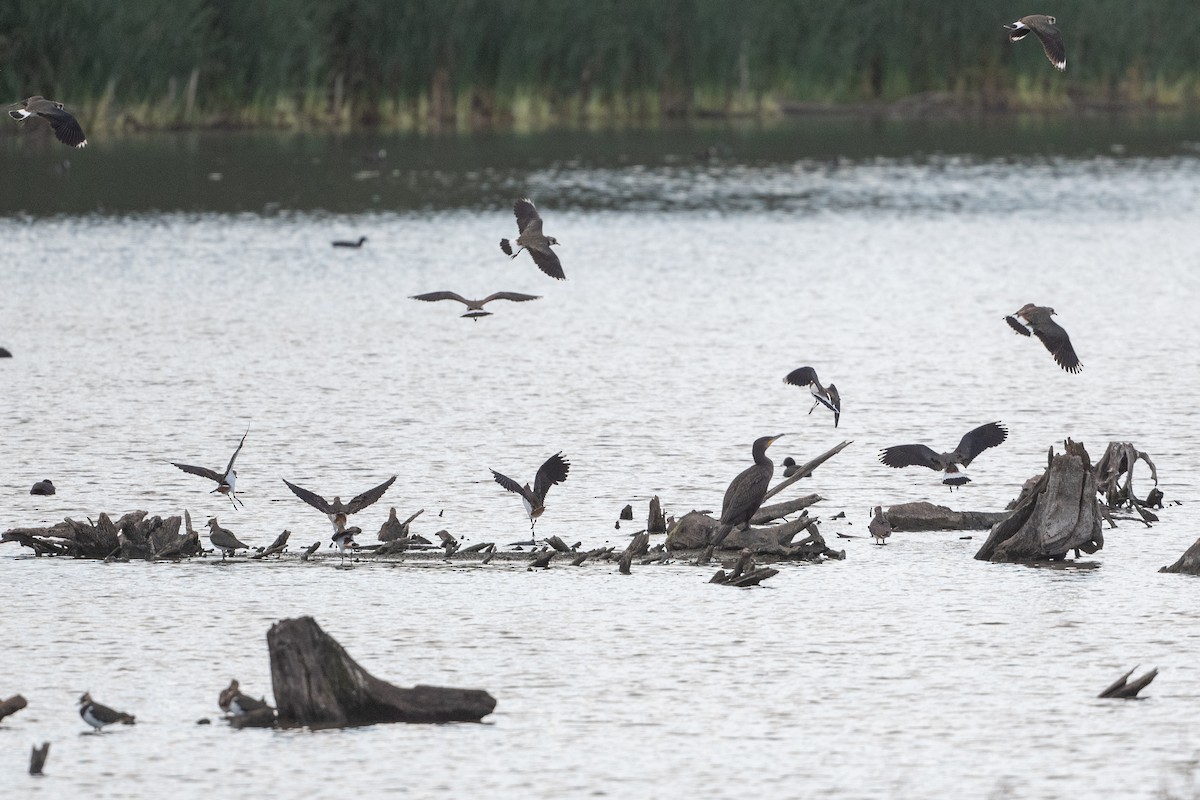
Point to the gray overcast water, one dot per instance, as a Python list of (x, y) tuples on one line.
[(154, 312)]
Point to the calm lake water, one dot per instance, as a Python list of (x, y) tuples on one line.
[(161, 293)]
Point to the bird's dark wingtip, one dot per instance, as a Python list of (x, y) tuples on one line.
[(506, 247)]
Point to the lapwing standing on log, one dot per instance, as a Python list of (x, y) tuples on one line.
[(552, 472), (475, 307), (969, 447), (879, 527), (1048, 332), (350, 243), (337, 511), (1047, 32), (224, 540), (746, 492), (98, 715), (43, 487), (343, 539), (822, 395), (226, 481), (66, 128), (531, 238), (232, 701)]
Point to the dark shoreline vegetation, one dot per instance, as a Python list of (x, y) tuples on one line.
[(433, 65)]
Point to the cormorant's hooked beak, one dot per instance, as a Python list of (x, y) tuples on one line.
[(775, 439)]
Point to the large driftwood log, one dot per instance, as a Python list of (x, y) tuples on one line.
[(318, 684), (1119, 459), (744, 573), (12, 705), (134, 536), (807, 469), (693, 529), (1060, 514), (1188, 563), (277, 546), (779, 510), (923, 516)]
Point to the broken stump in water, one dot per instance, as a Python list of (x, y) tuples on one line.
[(1188, 563), (318, 684), (37, 759), (12, 705), (657, 521)]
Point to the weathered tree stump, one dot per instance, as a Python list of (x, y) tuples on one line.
[(308, 551), (693, 529), (627, 512), (543, 560), (1188, 563), (37, 759), (744, 573), (12, 705), (657, 521), (277, 546), (1121, 690), (1060, 514), (1119, 459), (318, 684), (558, 544), (134, 536)]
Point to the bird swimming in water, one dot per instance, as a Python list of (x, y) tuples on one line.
[(553, 471), (227, 480), (822, 395), (43, 487), (98, 715), (1049, 332), (879, 527), (66, 127), (475, 307), (1047, 32), (346, 243), (337, 511), (971, 445), (790, 467), (746, 492), (223, 539), (531, 238)]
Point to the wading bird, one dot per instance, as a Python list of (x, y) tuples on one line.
[(822, 395), (226, 481), (553, 471), (531, 238), (1049, 332), (971, 445), (746, 492), (223, 539), (337, 511), (475, 307), (98, 715), (1046, 31), (65, 126)]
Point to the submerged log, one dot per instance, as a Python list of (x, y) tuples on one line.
[(694, 528), (318, 684), (1119, 689), (923, 516), (657, 521), (308, 551), (277, 546), (12, 705), (1060, 514), (37, 759), (258, 718), (744, 573), (1188, 563)]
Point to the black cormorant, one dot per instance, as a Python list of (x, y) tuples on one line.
[(746, 493)]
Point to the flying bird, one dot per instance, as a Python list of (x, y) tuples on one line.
[(475, 307), (969, 447), (338, 511), (531, 238), (1049, 332), (65, 126), (1046, 31), (746, 492), (227, 480), (822, 395), (553, 471), (98, 715), (223, 539)]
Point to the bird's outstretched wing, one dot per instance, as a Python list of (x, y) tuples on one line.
[(547, 261), (1016, 325), (910, 455), (368, 497), (516, 297), (836, 399), (312, 498), (802, 376), (553, 471), (65, 126), (514, 487), (527, 215), (975, 442), (1056, 340), (433, 297), (233, 458), (203, 472), (1051, 39)]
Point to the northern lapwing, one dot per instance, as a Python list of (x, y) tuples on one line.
[(1047, 32), (345, 243), (344, 538), (1049, 332), (226, 481), (223, 539), (553, 471), (531, 238), (98, 715), (66, 127), (971, 445), (822, 395), (233, 702), (43, 487), (879, 527), (337, 511), (475, 307)]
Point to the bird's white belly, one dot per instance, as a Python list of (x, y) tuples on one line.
[(231, 479), (91, 720), (528, 506)]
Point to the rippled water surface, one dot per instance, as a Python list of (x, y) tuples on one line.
[(147, 330)]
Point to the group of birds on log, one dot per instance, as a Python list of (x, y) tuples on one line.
[(231, 700)]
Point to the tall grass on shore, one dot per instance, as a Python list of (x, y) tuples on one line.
[(465, 63)]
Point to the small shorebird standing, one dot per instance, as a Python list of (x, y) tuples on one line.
[(746, 492), (232, 701), (553, 471), (65, 126), (475, 307), (1049, 332), (1046, 31), (226, 481), (822, 395), (98, 715), (345, 538), (345, 243), (337, 511), (531, 238), (971, 445), (879, 527), (223, 539), (43, 487)]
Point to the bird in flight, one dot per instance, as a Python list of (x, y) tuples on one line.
[(227, 480), (66, 127), (553, 471), (1049, 332), (1046, 31), (822, 395), (475, 307), (969, 447), (337, 511), (531, 238)]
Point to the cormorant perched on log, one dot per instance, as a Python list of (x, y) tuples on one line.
[(227, 480), (66, 127), (553, 471), (98, 715), (1046, 31), (971, 445), (822, 395), (475, 307), (745, 494), (1049, 332), (531, 238), (338, 511)]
